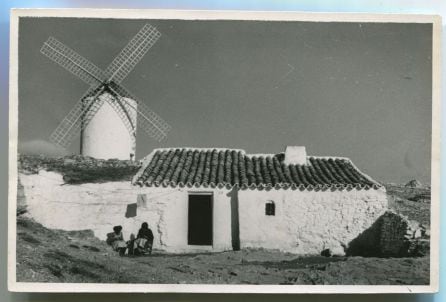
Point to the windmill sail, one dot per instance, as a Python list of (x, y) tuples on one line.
[(132, 53), (151, 122), (77, 119), (148, 120), (72, 61)]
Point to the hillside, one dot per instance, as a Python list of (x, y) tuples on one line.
[(59, 256), (411, 202)]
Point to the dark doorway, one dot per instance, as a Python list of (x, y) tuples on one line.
[(200, 219)]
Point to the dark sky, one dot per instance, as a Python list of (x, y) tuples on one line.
[(361, 91)]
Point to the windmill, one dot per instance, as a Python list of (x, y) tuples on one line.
[(107, 115)]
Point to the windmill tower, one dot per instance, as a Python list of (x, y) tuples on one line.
[(107, 115)]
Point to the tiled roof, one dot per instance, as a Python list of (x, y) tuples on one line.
[(228, 167)]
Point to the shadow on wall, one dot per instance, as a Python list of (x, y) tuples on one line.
[(235, 232), (387, 237)]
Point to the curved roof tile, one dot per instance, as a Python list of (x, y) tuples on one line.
[(230, 167)]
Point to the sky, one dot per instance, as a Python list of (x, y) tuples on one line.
[(357, 90)]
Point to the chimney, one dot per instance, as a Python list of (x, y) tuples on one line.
[(295, 155)]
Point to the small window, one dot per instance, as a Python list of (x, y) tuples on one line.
[(270, 208), (131, 210)]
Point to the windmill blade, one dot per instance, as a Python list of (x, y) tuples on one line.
[(147, 119), (132, 53), (72, 61), (151, 122), (78, 118)]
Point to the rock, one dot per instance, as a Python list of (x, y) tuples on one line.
[(414, 225), (91, 248), (21, 210), (399, 199), (419, 248), (326, 253), (338, 251), (417, 233), (423, 197), (68, 161), (414, 184)]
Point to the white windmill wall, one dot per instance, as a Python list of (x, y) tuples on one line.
[(106, 135)]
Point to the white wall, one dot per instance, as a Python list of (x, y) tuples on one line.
[(307, 222), (174, 222), (99, 207)]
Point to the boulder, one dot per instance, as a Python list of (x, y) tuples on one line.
[(414, 184), (417, 234), (335, 251), (326, 253), (338, 251)]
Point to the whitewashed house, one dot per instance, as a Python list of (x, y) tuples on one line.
[(197, 199), (223, 199)]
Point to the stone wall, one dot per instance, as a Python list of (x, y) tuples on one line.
[(393, 229), (392, 235), (77, 169), (307, 222)]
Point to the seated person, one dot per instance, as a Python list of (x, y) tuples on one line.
[(144, 240), (116, 240)]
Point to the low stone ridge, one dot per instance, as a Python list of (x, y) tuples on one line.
[(213, 167), (78, 169), (392, 235), (413, 193), (414, 184)]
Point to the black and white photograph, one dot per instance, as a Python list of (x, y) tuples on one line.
[(177, 151)]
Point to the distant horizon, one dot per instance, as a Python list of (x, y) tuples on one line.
[(356, 90)]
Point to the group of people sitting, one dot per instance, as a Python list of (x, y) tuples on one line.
[(141, 245)]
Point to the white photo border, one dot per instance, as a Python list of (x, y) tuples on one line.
[(435, 20)]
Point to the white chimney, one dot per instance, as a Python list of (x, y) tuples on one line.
[(295, 155)]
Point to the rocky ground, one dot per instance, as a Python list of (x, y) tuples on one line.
[(413, 202), (45, 255)]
